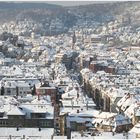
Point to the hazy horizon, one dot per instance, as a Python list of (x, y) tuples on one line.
[(74, 3)]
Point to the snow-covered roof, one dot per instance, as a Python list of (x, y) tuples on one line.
[(135, 129), (130, 110), (115, 92), (38, 106), (121, 120), (60, 137), (15, 111), (71, 93), (15, 70), (95, 36), (79, 119), (101, 135), (22, 84), (29, 133)]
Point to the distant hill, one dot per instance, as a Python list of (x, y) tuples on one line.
[(110, 11), (43, 12), (12, 11), (29, 5)]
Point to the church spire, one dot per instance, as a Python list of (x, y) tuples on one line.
[(73, 39)]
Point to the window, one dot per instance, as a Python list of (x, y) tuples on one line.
[(3, 123), (8, 91), (80, 124), (73, 125), (45, 123), (49, 123)]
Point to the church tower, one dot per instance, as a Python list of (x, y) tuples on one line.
[(73, 40)]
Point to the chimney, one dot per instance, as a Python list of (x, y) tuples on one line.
[(87, 105), (17, 91), (77, 89), (38, 96), (72, 103)]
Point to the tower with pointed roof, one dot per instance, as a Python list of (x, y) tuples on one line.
[(73, 40)]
